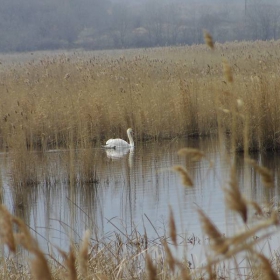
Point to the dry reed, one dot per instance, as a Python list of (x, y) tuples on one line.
[(151, 268), (186, 179), (218, 241), (208, 40), (84, 255), (266, 175), (172, 227), (194, 154), (228, 72), (234, 199), (63, 100), (6, 228)]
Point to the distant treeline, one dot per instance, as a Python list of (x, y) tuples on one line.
[(105, 24)]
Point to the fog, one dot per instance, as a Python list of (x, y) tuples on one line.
[(111, 24)]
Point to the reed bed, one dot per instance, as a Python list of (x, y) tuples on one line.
[(81, 98)]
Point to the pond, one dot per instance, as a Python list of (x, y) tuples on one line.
[(132, 190)]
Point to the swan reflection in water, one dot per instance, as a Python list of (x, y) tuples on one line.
[(117, 154)]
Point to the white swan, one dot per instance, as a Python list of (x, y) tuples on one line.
[(116, 154), (120, 143)]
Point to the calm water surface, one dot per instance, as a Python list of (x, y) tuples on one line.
[(132, 185)]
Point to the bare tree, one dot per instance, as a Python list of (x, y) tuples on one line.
[(154, 22), (173, 22), (120, 24), (263, 19)]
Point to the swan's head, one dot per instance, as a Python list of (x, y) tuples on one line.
[(129, 131)]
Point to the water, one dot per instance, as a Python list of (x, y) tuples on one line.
[(134, 189)]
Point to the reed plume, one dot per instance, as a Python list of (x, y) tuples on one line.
[(266, 268), (70, 263), (170, 259), (257, 207), (194, 154), (208, 39), (152, 271), (39, 265), (265, 173), (186, 179), (172, 227), (217, 241), (6, 229), (227, 72), (83, 254), (233, 197)]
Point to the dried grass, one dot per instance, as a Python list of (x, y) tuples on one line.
[(63, 100)]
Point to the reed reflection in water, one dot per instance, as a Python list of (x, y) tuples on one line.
[(106, 192)]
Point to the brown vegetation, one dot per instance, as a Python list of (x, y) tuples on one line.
[(81, 98)]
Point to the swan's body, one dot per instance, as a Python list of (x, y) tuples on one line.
[(120, 143), (116, 154)]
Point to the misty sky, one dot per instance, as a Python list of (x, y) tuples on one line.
[(111, 24)]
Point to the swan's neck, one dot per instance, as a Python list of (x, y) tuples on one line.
[(131, 142)]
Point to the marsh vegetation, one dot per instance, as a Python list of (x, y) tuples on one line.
[(75, 101), (79, 99)]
